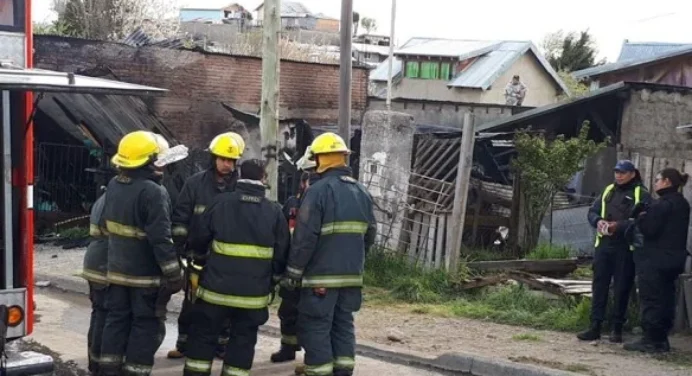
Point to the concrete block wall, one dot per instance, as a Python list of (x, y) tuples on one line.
[(649, 124), (199, 81)]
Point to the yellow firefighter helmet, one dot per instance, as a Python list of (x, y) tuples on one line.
[(226, 145), (136, 149), (329, 143)]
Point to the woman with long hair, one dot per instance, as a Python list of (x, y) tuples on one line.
[(661, 259)]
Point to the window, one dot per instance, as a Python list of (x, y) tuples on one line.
[(430, 70), (445, 71), (12, 15), (412, 69)]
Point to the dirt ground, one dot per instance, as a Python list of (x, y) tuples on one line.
[(398, 328)]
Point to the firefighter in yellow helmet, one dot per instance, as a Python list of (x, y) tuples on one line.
[(335, 227), (197, 192), (142, 269)]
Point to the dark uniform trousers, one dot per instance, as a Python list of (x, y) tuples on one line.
[(657, 295), (185, 319), (133, 332), (288, 314), (97, 295), (209, 320), (326, 330), (612, 263)]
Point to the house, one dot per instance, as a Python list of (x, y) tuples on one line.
[(468, 71), (374, 39), (369, 54), (327, 24), (214, 15), (660, 63)]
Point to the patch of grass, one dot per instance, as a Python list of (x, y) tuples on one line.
[(582, 272), (74, 233), (526, 337), (682, 359), (486, 255), (573, 367), (546, 251)]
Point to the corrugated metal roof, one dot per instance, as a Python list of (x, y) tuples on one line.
[(643, 50), (371, 48), (495, 58), (632, 63)]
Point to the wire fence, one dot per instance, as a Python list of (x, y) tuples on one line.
[(566, 224)]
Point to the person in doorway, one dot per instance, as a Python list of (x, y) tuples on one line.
[(197, 192), (664, 226), (335, 228), (288, 310), (142, 270), (95, 271), (249, 238), (613, 258)]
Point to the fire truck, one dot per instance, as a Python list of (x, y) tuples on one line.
[(19, 84)]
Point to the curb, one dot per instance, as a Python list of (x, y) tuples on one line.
[(450, 363)]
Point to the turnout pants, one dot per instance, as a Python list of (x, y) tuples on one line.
[(97, 295), (657, 301), (326, 330), (614, 263), (133, 332), (288, 314), (209, 321)]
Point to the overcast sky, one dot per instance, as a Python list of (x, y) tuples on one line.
[(610, 21)]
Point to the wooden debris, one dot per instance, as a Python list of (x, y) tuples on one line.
[(541, 267), (482, 282)]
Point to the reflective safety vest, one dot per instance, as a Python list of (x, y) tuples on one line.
[(606, 192)]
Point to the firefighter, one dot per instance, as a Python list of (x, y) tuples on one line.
[(197, 192), (288, 310), (335, 227), (613, 257), (143, 270), (661, 259), (249, 242), (94, 271)]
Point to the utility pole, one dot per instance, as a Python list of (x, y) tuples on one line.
[(461, 192), (391, 58), (269, 121), (345, 70)]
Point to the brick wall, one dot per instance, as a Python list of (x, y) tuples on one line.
[(198, 82)]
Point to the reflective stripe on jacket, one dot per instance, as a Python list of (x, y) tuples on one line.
[(335, 227), (604, 204), (137, 217), (249, 239), (96, 257)]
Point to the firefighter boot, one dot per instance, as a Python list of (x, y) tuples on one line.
[(646, 345), (592, 334), (616, 334), (285, 354), (175, 354)]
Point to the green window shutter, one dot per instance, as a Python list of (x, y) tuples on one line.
[(444, 71), (412, 70), (430, 70)]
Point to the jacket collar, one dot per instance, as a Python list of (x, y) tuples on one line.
[(666, 191), (251, 187), (337, 171), (142, 173), (228, 180)]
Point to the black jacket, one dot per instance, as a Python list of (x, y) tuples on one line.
[(335, 228), (137, 217), (249, 239), (620, 202), (198, 191), (664, 226), (96, 257)]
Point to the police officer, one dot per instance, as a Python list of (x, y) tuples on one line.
[(143, 270), (613, 258), (335, 227), (288, 310), (197, 192), (664, 226), (249, 242), (94, 271)]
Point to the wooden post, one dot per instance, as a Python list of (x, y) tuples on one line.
[(461, 191), (269, 121)]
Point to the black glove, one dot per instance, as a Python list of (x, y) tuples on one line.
[(289, 283)]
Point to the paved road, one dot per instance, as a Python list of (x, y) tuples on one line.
[(63, 320)]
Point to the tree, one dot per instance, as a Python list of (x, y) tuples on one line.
[(115, 19), (570, 51), (369, 24), (543, 168), (576, 88), (356, 22)]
